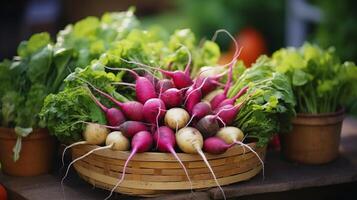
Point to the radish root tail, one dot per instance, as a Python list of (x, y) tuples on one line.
[(252, 150), (200, 152), (122, 174), (79, 158), (68, 147)]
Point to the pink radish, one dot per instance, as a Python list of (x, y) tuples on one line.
[(215, 145), (181, 79), (163, 85), (190, 141), (114, 116), (193, 95), (231, 101), (200, 110), (141, 142), (154, 110), (133, 110), (227, 113), (129, 128), (211, 83), (172, 97), (166, 141), (223, 96), (233, 135), (144, 88)]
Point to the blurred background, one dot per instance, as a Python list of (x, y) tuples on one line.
[(260, 26)]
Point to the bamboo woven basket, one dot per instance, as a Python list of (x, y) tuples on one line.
[(152, 174)]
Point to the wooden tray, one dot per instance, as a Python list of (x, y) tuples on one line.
[(153, 174)]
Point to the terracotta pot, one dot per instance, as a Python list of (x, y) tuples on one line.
[(36, 156), (314, 139)]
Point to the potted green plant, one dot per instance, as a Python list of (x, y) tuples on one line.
[(321, 86), (26, 148)]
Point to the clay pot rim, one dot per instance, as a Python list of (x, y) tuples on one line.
[(9, 134), (340, 111)]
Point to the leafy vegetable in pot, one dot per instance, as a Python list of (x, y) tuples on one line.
[(321, 83), (268, 104), (41, 66)]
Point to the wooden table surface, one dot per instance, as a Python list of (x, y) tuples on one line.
[(280, 176)]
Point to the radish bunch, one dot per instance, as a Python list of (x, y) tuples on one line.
[(167, 112)]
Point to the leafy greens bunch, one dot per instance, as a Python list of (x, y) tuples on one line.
[(320, 81), (268, 105)]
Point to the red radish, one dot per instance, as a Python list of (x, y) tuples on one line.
[(166, 141), (190, 141), (233, 135), (144, 88), (172, 97), (141, 142), (200, 110), (231, 101), (163, 85), (215, 145), (114, 116), (154, 110), (129, 128)]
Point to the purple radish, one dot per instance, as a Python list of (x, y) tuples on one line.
[(133, 110), (190, 141), (163, 85), (114, 116), (231, 101), (154, 110), (215, 145), (208, 125), (141, 142), (166, 141)]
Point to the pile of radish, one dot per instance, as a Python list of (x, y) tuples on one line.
[(193, 114)]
